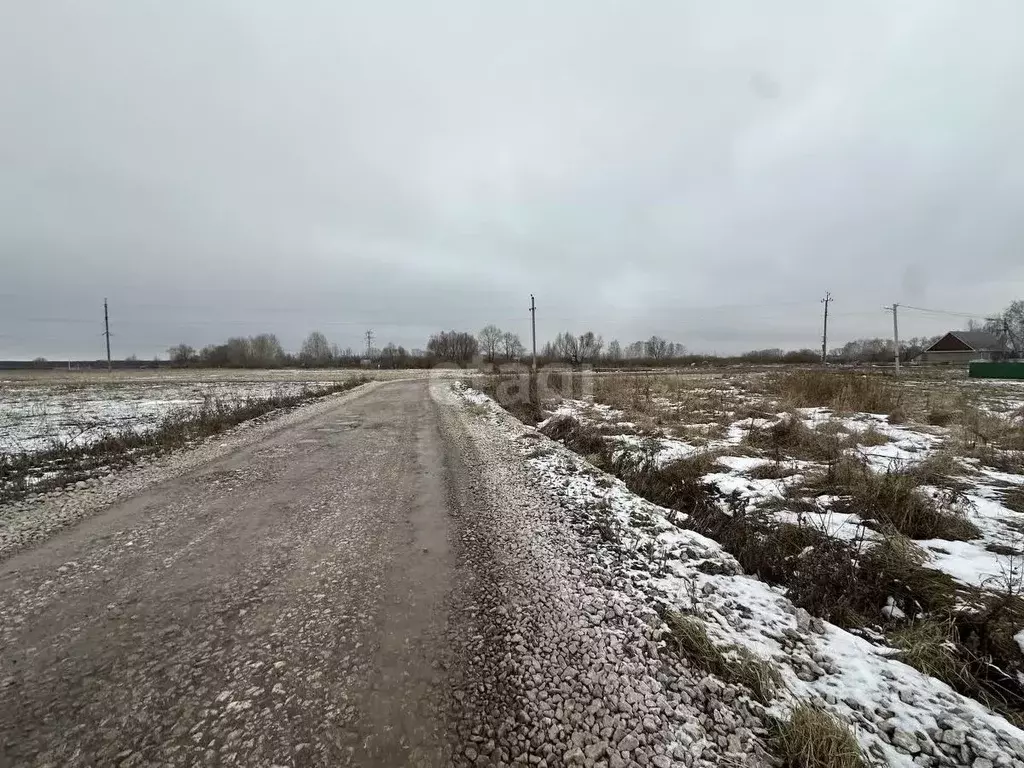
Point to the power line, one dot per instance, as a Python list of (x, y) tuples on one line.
[(946, 312)]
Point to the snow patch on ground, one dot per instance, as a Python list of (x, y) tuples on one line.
[(971, 563), (896, 711)]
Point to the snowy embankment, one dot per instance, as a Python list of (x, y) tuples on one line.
[(900, 716)]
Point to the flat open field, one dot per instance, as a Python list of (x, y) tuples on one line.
[(39, 409), (890, 506)]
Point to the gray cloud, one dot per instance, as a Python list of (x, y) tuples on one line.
[(704, 171)]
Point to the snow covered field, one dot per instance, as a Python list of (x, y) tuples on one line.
[(949, 449), (38, 409)]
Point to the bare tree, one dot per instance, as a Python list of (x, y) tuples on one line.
[(453, 346), (182, 354), (512, 347), (589, 347), (265, 350), (316, 350), (1009, 326), (656, 348), (614, 350), (239, 352), (490, 340), (580, 349)]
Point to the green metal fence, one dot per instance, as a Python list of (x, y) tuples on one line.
[(1009, 370)]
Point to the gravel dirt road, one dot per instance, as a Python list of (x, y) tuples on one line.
[(373, 580), (287, 604)]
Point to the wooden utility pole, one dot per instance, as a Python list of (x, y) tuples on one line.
[(533, 325), (824, 335), (895, 335), (106, 332)]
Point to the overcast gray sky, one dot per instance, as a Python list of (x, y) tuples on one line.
[(700, 170)]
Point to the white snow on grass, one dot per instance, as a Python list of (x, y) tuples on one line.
[(33, 416), (968, 562), (982, 562), (853, 678), (894, 709)]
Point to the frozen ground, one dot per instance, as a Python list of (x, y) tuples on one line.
[(72, 407), (981, 562), (900, 716)]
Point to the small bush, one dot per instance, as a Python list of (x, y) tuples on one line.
[(775, 470), (814, 738), (986, 434), (897, 416), (734, 664), (1011, 462), (870, 437), (584, 439), (974, 651), (517, 393), (894, 568)]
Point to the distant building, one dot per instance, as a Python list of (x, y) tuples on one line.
[(963, 347)]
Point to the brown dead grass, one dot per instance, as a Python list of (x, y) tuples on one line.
[(843, 392), (893, 499), (815, 738)]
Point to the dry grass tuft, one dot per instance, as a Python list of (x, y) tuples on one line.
[(790, 436), (677, 485), (869, 437), (926, 646), (1014, 499), (840, 391), (517, 393), (892, 498), (815, 738), (734, 664), (585, 439), (775, 470), (940, 417)]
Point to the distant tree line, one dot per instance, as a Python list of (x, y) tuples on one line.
[(494, 346), (265, 351)]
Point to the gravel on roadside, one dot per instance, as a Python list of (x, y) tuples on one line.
[(562, 663)]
